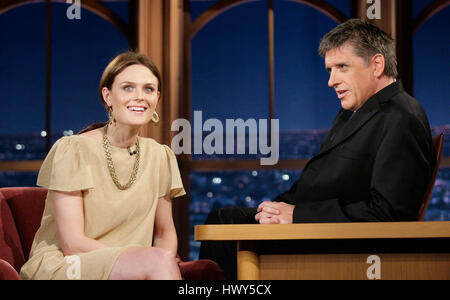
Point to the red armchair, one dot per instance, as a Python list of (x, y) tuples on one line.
[(21, 211)]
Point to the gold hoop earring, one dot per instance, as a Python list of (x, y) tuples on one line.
[(155, 118), (111, 119)]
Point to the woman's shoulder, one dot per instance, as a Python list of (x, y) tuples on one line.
[(65, 141), (66, 167), (74, 144), (149, 142), (69, 144), (153, 144), (87, 139), (96, 134)]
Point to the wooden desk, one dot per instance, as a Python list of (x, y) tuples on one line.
[(406, 250)]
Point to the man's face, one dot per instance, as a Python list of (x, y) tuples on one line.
[(351, 77)]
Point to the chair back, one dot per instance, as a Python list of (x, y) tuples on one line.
[(21, 210), (438, 143)]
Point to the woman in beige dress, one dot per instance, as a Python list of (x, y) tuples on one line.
[(108, 212)]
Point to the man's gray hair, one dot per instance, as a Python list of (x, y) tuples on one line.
[(367, 40)]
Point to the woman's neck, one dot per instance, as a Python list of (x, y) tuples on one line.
[(122, 136)]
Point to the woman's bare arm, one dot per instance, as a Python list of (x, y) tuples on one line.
[(165, 235), (69, 218)]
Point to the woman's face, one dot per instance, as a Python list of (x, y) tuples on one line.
[(133, 96)]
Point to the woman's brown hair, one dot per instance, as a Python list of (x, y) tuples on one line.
[(117, 65)]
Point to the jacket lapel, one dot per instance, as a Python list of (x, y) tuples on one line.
[(354, 124), (348, 126), (344, 127), (338, 122)]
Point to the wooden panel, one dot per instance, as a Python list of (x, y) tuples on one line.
[(150, 42), (387, 15), (429, 11), (395, 19), (271, 54), (245, 164), (326, 8), (210, 14), (385, 230), (92, 5), (21, 166), (354, 266), (248, 267), (35, 165), (403, 250), (255, 164)]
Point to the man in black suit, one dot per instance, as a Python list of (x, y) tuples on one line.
[(374, 164)]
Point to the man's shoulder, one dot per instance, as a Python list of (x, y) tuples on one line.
[(404, 113), (403, 105)]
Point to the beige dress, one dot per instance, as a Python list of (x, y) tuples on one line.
[(118, 219)]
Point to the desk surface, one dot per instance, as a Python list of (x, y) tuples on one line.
[(368, 230)]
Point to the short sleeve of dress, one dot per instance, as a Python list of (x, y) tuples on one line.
[(65, 168), (170, 180)]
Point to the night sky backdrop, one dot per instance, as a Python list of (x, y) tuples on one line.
[(229, 80), (229, 65)]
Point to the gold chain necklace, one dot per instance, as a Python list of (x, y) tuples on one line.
[(110, 163)]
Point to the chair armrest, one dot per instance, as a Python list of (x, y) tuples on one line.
[(7, 272), (202, 269)]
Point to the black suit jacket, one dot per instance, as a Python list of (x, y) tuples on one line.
[(372, 166)]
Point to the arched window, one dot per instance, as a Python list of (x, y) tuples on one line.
[(432, 90), (22, 73), (80, 49), (431, 65), (231, 66)]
